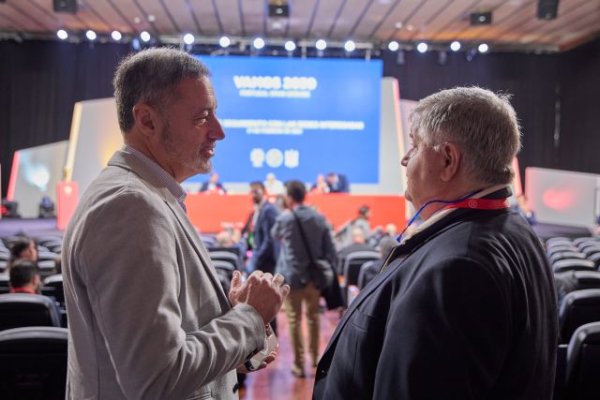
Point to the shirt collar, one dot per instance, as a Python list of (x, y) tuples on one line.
[(438, 215), (160, 174)]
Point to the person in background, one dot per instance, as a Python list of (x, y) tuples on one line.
[(148, 317), (24, 248), (464, 307), (213, 185), (24, 277), (320, 186), (273, 186), (358, 243), (264, 253), (338, 183), (294, 264)]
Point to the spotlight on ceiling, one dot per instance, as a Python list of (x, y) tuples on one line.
[(483, 48), (290, 45), (321, 44), (62, 34), (349, 46), (116, 35), (145, 36), (422, 47), (455, 46), (393, 45), (91, 35), (258, 43), (224, 41), (188, 39)]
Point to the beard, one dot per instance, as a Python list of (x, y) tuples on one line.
[(195, 162)]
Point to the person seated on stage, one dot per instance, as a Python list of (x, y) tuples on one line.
[(23, 248), (359, 243), (320, 186), (274, 186), (338, 183), (213, 185), (24, 277)]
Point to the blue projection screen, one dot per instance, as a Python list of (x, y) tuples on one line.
[(296, 118)]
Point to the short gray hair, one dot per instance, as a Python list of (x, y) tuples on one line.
[(150, 76), (483, 124)]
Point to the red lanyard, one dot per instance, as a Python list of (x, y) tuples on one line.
[(481, 204)]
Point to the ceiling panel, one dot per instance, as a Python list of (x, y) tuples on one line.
[(514, 25)]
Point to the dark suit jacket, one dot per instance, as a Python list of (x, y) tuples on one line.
[(465, 310), (264, 256), (342, 185)]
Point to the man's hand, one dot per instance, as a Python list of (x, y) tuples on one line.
[(268, 360), (262, 291)]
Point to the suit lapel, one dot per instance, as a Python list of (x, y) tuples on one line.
[(129, 162)]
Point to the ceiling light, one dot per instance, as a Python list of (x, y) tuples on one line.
[(91, 35), (62, 34), (116, 35), (151, 18), (258, 43), (422, 47), (398, 25), (349, 46), (483, 48), (290, 45), (224, 41), (321, 44), (393, 45), (145, 36), (455, 46), (188, 38)]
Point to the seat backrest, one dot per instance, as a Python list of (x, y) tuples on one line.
[(573, 264), (20, 309), (580, 240), (558, 240), (225, 256), (564, 255), (560, 248), (353, 262), (583, 363), (578, 308), (33, 363), (4, 283), (53, 286), (368, 271)]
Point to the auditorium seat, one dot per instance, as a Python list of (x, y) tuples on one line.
[(367, 272), (583, 364), (564, 255), (558, 240), (590, 250), (550, 250), (586, 239), (595, 258), (586, 279), (572, 264), (4, 283), (578, 308), (20, 309), (53, 287), (33, 363), (352, 264), (227, 256)]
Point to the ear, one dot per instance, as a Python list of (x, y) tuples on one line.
[(451, 158), (146, 119)]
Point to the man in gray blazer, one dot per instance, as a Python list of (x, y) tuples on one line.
[(148, 318)]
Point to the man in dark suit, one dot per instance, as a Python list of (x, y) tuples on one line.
[(464, 308), (264, 255), (338, 183)]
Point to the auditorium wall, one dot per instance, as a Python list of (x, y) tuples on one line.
[(40, 81)]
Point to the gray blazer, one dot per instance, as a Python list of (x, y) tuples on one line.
[(293, 261), (147, 316)]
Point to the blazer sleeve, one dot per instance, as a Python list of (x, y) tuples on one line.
[(130, 264), (447, 337)]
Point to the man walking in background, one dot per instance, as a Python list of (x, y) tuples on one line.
[(294, 265)]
